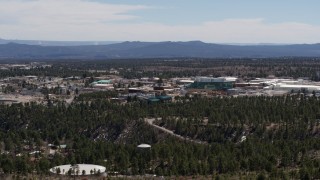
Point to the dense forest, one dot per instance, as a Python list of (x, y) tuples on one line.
[(263, 137), (282, 136), (179, 67)]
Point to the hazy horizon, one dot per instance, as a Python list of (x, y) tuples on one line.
[(104, 42), (211, 21)]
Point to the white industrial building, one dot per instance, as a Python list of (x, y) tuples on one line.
[(294, 87), (218, 79), (103, 86), (287, 85)]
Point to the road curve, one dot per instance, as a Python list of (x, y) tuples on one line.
[(150, 122)]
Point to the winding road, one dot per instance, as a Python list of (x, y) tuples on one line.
[(170, 132), (69, 101)]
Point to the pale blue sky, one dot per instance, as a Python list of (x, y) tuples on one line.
[(219, 21), (197, 11)]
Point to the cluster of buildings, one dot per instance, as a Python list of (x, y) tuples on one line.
[(161, 90), (153, 90), (24, 66), (22, 89), (275, 87)]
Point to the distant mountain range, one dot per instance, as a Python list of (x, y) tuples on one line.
[(57, 43), (155, 50)]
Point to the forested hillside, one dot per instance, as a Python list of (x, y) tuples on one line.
[(281, 136), (170, 68)]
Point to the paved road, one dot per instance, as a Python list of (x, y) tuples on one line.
[(69, 101), (150, 122)]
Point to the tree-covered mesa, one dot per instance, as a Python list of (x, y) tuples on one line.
[(281, 136), (177, 67)]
